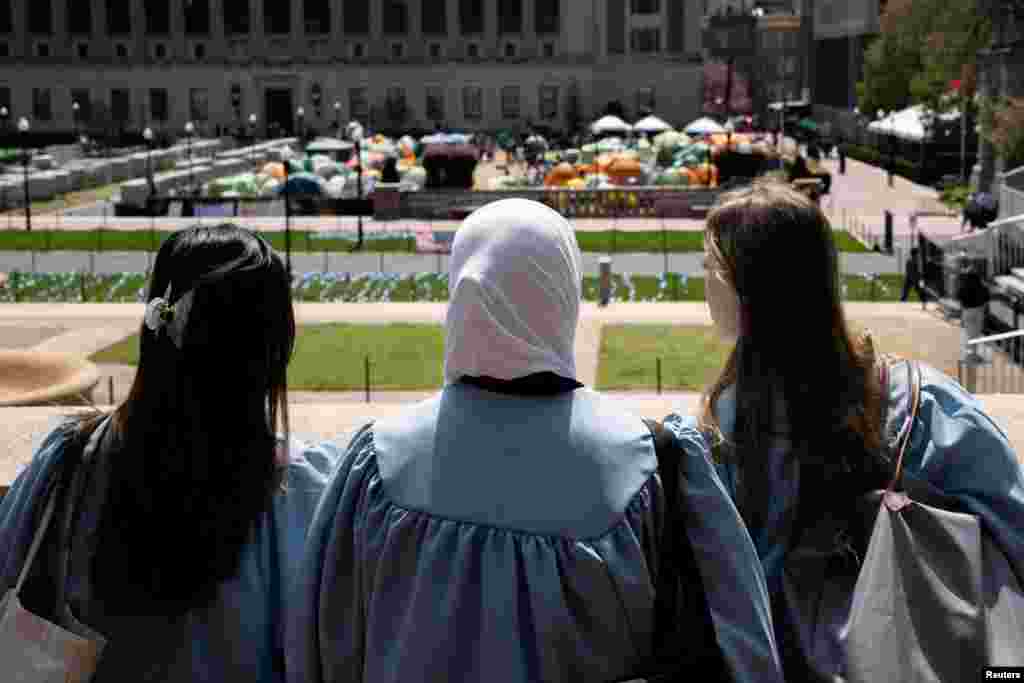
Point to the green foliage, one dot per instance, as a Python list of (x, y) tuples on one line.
[(923, 46), (955, 196), (1001, 121)]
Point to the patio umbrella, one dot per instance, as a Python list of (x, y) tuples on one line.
[(610, 124), (651, 124), (302, 183), (327, 146), (704, 126)]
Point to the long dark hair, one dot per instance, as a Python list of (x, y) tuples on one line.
[(192, 452), (796, 366)]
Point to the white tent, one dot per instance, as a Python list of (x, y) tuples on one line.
[(651, 124), (908, 124), (704, 126), (610, 124)]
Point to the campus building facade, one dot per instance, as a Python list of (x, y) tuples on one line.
[(472, 64)]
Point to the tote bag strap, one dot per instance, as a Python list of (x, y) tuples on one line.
[(37, 541), (914, 375)]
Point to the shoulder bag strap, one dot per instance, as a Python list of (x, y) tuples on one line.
[(676, 559), (37, 540), (75, 491), (903, 438)]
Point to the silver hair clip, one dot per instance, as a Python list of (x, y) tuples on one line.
[(163, 315)]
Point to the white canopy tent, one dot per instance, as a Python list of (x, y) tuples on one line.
[(908, 124), (651, 124), (610, 124), (704, 126)]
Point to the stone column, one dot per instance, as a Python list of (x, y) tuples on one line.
[(99, 26), (138, 41), (298, 27), (529, 48), (414, 34), (490, 38), (257, 40), (177, 46), (217, 34), (337, 45)]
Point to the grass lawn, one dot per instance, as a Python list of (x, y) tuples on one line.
[(331, 357), (606, 242), (73, 199), (690, 357)]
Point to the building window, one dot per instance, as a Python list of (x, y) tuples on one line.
[(549, 50), (79, 17), (510, 50), (277, 17), (6, 18), (548, 102), (358, 51), (40, 17), (83, 50), (645, 99), (197, 18), (121, 50), (42, 109), (84, 100), (545, 16), (358, 105), (42, 50), (158, 104), (397, 50), (236, 17), (645, 6), (119, 17), (396, 18), (473, 51), (317, 16), (357, 17), (435, 103), (435, 51), (394, 103), (199, 104), (121, 105), (199, 51), (510, 16), (5, 50), (158, 17), (434, 17), (645, 40), (473, 102), (160, 51), (510, 102), (471, 17)]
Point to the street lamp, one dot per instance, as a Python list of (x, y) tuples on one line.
[(355, 134), (4, 115), (23, 127), (300, 113), (76, 113), (337, 116), (190, 129), (252, 136), (148, 136), (888, 149)]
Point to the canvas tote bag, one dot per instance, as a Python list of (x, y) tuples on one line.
[(934, 599), (33, 649)]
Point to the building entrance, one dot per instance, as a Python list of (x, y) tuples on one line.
[(280, 113)]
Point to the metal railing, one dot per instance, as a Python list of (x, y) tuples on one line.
[(992, 364)]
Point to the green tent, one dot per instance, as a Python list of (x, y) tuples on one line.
[(808, 125)]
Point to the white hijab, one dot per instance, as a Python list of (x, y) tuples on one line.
[(515, 288)]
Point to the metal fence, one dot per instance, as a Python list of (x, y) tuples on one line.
[(992, 364)]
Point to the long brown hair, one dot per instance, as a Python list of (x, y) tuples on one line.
[(192, 452), (796, 366)]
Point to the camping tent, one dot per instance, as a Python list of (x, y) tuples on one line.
[(327, 145), (908, 124), (610, 124), (704, 126), (651, 124)]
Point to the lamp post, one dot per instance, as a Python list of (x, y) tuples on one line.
[(76, 115), (23, 127), (337, 116), (355, 133), (300, 114), (252, 135), (148, 135), (888, 149), (190, 129), (287, 222), (4, 115)]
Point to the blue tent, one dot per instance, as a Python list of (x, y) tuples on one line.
[(302, 184)]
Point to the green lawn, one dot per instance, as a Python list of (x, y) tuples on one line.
[(73, 199), (332, 357), (691, 357), (609, 241)]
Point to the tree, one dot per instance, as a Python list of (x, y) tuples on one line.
[(924, 46)]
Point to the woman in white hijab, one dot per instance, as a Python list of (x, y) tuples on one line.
[(506, 529)]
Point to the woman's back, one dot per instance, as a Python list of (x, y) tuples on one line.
[(485, 536)]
